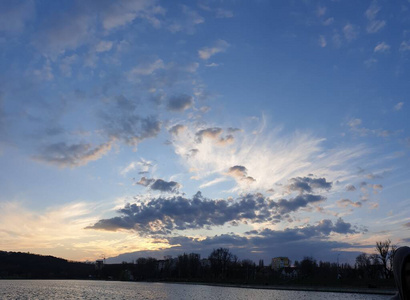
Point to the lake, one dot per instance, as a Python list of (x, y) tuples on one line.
[(84, 289)]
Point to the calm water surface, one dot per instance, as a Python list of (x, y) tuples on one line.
[(82, 289)]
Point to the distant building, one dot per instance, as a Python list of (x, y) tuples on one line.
[(280, 262)]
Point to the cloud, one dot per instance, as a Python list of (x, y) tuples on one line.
[(237, 171), (63, 155), (70, 28), (188, 22), (240, 173), (407, 224), (118, 14), (404, 46), (307, 184), (355, 127), (382, 47), (131, 167), (180, 103), (103, 46), (45, 73), (14, 15), (350, 32), (223, 13), (328, 21), (261, 244), (147, 68), (159, 185), (270, 157), (348, 202), (321, 10), (165, 215), (350, 188), (322, 41), (373, 25), (398, 106), (214, 133), (177, 129), (145, 181), (121, 122), (218, 47), (286, 206), (66, 64), (212, 182), (165, 186)]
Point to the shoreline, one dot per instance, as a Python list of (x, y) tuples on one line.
[(375, 291)]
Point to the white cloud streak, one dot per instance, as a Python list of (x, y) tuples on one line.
[(219, 46)]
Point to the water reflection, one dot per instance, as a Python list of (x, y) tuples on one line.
[(82, 289)]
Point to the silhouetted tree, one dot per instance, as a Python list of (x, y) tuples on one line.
[(308, 266), (221, 259), (383, 251)]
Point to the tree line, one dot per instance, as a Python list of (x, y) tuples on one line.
[(220, 266)]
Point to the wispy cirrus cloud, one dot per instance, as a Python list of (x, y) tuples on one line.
[(347, 202), (350, 32), (398, 106), (270, 158), (373, 24), (381, 47), (190, 18)]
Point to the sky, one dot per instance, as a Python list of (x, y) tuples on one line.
[(150, 128)]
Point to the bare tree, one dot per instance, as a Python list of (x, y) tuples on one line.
[(383, 251), (393, 249)]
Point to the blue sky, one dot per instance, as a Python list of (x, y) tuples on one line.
[(153, 127)]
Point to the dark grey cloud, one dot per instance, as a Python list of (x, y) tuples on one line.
[(233, 130), (212, 133), (180, 103), (407, 225), (122, 122), (237, 171), (286, 206), (165, 186), (177, 129), (350, 188), (159, 184), (307, 184), (266, 243), (74, 155), (192, 152), (240, 173), (163, 215)]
